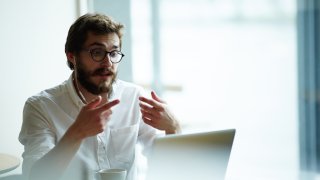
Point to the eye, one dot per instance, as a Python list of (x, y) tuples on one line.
[(114, 54), (98, 52)]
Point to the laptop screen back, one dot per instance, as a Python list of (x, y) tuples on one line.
[(202, 156)]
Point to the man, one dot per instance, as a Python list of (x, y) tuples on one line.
[(93, 120)]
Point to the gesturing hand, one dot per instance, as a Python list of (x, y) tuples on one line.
[(156, 113), (93, 117)]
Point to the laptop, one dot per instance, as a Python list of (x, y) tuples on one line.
[(202, 156)]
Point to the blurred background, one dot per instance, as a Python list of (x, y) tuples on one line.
[(244, 64)]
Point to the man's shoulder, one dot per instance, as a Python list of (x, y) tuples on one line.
[(49, 93)]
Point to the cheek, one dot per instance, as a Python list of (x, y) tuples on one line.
[(85, 64), (115, 67)]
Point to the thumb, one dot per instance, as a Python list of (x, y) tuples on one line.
[(156, 97), (94, 103)]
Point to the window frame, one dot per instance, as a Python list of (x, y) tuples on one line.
[(308, 27)]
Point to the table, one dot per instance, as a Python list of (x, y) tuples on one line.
[(8, 162)]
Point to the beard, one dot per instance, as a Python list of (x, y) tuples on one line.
[(84, 75)]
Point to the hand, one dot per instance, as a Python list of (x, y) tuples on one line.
[(156, 113), (92, 118)]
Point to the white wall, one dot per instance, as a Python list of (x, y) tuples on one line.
[(32, 37)]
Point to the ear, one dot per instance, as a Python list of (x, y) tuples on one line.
[(71, 57)]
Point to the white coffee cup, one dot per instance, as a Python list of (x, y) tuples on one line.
[(112, 174)]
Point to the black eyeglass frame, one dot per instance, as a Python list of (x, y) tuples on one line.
[(105, 55)]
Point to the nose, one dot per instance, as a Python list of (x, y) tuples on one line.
[(107, 60)]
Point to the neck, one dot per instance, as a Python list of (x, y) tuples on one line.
[(85, 95)]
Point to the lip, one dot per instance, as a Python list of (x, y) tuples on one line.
[(104, 76), (103, 72)]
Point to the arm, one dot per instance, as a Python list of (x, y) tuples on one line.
[(53, 164), (156, 113), (90, 121)]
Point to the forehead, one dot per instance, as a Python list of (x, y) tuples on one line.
[(110, 40)]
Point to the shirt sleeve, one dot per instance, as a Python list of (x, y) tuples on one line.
[(36, 134), (147, 133)]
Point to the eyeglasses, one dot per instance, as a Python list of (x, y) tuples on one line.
[(99, 54)]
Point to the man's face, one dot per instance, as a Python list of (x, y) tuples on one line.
[(97, 77)]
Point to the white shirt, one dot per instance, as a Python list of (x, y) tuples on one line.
[(48, 115)]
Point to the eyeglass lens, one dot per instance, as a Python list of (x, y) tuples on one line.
[(100, 54)]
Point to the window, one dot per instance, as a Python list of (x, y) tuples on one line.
[(226, 64)]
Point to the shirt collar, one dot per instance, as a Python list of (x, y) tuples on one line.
[(73, 93)]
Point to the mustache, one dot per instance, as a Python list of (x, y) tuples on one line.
[(106, 70)]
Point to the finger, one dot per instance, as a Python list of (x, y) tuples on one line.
[(148, 121), (108, 105), (149, 110), (106, 114), (156, 97), (151, 102), (148, 116), (145, 107), (94, 103)]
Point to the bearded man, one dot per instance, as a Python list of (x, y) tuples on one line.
[(93, 120)]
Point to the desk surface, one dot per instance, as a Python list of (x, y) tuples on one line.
[(8, 162)]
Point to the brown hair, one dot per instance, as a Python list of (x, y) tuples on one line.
[(95, 23)]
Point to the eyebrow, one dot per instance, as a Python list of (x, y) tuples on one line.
[(100, 44)]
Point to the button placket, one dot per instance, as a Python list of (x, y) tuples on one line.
[(102, 151)]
